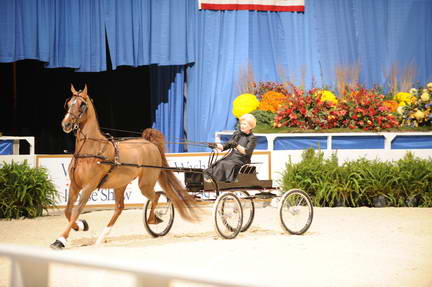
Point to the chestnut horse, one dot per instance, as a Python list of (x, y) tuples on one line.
[(87, 174)]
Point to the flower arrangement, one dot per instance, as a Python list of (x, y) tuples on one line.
[(286, 105)]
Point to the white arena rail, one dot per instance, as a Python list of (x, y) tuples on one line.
[(30, 267), (16, 156)]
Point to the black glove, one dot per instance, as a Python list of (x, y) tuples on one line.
[(231, 144), (212, 145)]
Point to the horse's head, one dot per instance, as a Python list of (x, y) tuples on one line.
[(76, 109)]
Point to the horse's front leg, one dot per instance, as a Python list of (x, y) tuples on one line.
[(60, 242), (72, 197), (119, 206)]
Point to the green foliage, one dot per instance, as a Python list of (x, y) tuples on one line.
[(415, 180), (264, 118), (407, 182), (24, 191)]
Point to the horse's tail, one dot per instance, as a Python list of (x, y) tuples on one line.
[(174, 189)]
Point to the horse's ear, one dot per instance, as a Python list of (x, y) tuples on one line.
[(74, 92), (84, 92)]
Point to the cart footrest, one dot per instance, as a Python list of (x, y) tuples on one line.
[(265, 195)]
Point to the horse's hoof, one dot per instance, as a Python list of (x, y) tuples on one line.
[(82, 225), (86, 226), (57, 245), (156, 220)]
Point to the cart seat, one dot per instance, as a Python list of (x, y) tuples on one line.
[(247, 169), (246, 178)]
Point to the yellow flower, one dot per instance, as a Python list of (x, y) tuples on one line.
[(404, 98), (425, 97), (400, 109), (244, 104), (328, 96), (419, 115), (413, 91), (429, 86)]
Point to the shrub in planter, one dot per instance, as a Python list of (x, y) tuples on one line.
[(314, 174), (373, 182), (415, 181), (24, 191), (407, 182)]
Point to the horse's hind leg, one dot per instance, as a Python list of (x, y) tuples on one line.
[(119, 206), (148, 191)]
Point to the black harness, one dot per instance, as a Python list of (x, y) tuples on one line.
[(76, 129), (83, 110)]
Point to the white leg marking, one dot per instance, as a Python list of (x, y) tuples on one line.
[(62, 240), (106, 231), (80, 225)]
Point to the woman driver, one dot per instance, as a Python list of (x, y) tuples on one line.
[(242, 143)]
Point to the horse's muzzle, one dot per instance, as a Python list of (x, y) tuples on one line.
[(67, 127)]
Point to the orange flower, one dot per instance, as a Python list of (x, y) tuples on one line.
[(271, 101), (393, 105)]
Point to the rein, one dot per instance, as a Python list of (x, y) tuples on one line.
[(184, 142)]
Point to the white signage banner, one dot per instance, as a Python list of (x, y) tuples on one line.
[(57, 166)]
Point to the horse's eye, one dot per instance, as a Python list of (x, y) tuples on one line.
[(83, 107)]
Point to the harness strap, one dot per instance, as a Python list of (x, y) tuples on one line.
[(116, 161), (89, 156)]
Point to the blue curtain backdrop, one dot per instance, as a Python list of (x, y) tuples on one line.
[(222, 51), (149, 32), (169, 106), (305, 48), (60, 33)]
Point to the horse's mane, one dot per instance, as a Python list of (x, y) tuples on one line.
[(90, 103)]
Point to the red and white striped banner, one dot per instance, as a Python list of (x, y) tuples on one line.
[(260, 5)]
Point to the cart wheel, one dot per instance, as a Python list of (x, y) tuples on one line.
[(248, 207), (228, 215), (295, 211), (164, 211)]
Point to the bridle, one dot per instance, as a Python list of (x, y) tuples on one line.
[(82, 108)]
